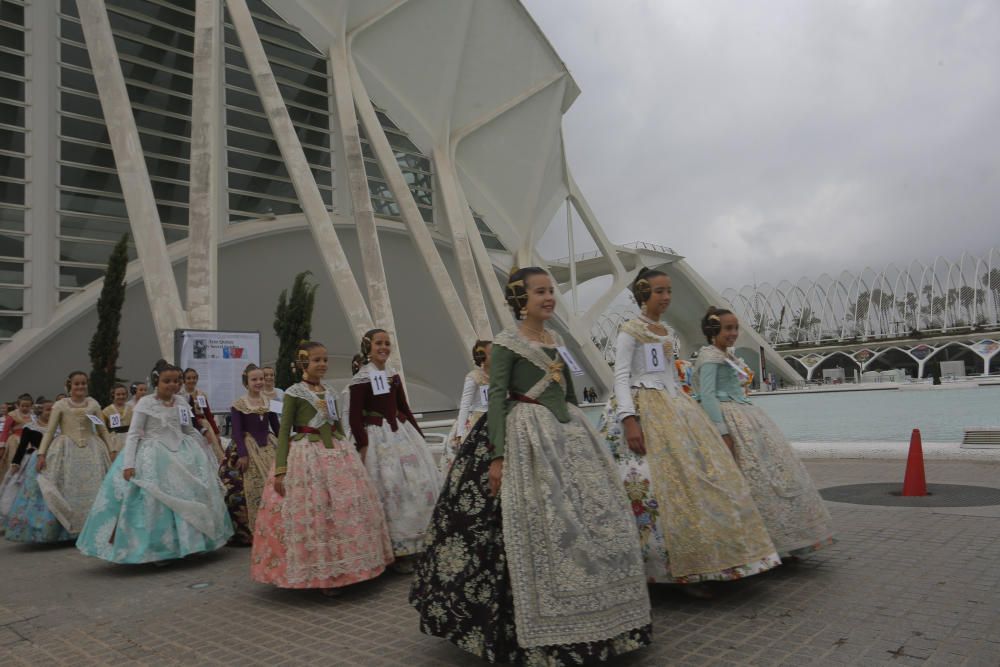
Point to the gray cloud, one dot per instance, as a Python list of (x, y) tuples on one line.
[(786, 138)]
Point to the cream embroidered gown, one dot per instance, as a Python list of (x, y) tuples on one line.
[(794, 512), (692, 507)]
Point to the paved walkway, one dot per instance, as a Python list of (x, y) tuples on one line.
[(903, 586)]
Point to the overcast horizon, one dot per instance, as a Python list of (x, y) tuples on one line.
[(773, 140)]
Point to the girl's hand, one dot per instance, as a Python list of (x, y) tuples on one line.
[(633, 435), (242, 463), (279, 484), (728, 439), (128, 474), (40, 464), (496, 476)]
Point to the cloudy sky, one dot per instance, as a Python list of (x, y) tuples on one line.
[(777, 139)]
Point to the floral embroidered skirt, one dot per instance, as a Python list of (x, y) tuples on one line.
[(72, 476), (696, 518), (403, 470), (244, 489), (462, 587), (328, 530), (793, 510), (171, 508), (29, 519), (11, 485)]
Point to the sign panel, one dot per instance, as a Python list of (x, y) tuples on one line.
[(219, 357)]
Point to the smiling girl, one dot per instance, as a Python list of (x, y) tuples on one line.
[(204, 420), (320, 524), (250, 455), (13, 426), (557, 577), (118, 417), (696, 519), (793, 511), (70, 463), (393, 448), (161, 499)]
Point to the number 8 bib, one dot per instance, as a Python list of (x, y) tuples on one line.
[(655, 362)]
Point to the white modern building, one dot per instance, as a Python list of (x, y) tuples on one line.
[(401, 150)]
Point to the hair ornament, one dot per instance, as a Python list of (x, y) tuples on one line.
[(714, 318)]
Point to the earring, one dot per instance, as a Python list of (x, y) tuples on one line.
[(524, 311), (642, 309)]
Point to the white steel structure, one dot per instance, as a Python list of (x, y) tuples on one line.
[(401, 150), (938, 297)]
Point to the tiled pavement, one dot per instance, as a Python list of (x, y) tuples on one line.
[(903, 586)]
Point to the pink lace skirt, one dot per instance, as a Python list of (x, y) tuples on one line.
[(328, 530)]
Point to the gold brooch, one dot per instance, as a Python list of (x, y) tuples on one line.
[(555, 371)]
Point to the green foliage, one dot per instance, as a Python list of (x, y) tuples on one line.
[(292, 325), (104, 344)]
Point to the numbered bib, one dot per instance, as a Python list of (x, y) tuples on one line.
[(95, 420), (115, 421), (276, 407), (484, 395), (184, 415), (331, 406), (202, 401), (567, 357), (380, 383), (655, 361)]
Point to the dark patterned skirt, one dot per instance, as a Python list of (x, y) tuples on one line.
[(462, 588), (244, 489)]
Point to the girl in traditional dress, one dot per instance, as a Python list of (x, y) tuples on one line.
[(161, 499), (270, 392), (320, 524), (473, 404), (13, 424), (118, 418), (793, 511), (70, 464), (23, 460), (204, 420), (696, 518), (557, 576), (250, 455), (136, 391), (393, 448)]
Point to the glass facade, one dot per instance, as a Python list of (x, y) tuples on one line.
[(416, 169), (155, 43), (259, 185), (13, 163)]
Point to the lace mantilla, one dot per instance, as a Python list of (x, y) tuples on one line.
[(363, 376), (242, 404), (638, 330), (302, 391), (554, 369)]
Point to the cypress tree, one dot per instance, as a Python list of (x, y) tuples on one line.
[(292, 325), (104, 344)]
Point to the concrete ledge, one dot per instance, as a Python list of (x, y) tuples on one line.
[(941, 451)]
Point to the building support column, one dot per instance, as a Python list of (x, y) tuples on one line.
[(456, 215), (206, 168), (42, 217), (419, 233), (327, 241), (140, 203), (353, 161), (487, 272)]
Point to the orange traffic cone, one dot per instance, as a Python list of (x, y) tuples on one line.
[(914, 483)]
